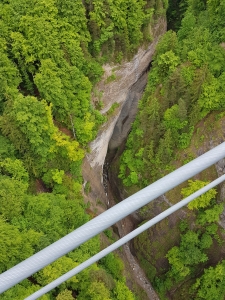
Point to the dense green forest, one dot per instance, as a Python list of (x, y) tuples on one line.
[(51, 56), (181, 111)]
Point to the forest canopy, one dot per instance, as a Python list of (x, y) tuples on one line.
[(51, 56), (181, 115)]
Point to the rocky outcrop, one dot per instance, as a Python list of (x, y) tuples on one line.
[(129, 80), (128, 113), (125, 89)]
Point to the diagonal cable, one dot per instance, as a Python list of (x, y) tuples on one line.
[(71, 241), (125, 239)]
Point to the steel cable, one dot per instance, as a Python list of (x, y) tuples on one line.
[(124, 240), (108, 218)]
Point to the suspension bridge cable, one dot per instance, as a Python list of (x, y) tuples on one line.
[(124, 240), (74, 239)]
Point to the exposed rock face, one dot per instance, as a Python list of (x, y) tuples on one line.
[(125, 90), (128, 113)]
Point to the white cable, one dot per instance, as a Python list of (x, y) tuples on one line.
[(124, 240), (108, 218)]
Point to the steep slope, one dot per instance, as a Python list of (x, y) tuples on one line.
[(180, 116), (50, 61)]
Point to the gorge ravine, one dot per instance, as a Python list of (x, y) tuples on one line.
[(126, 90)]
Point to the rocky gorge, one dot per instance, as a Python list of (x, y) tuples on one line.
[(125, 90), (124, 85), (130, 79)]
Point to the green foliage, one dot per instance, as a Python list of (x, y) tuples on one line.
[(28, 124), (201, 201), (14, 184), (98, 291), (49, 62), (216, 11), (112, 108), (132, 178), (149, 269), (22, 290), (172, 119), (167, 62), (167, 43), (12, 194), (187, 73), (175, 13), (9, 75), (111, 78), (47, 46), (187, 255), (20, 244), (117, 27), (108, 233), (14, 169), (122, 292), (212, 95), (188, 24), (183, 225), (100, 275), (87, 188), (212, 229), (6, 148), (178, 95), (211, 285), (165, 149), (53, 176), (32, 118), (185, 85), (210, 215), (38, 210), (65, 295), (55, 270), (113, 265)]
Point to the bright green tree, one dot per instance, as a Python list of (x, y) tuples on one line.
[(122, 292), (97, 291), (211, 214), (113, 264), (52, 215), (55, 270), (24, 289), (14, 168), (9, 76), (211, 285), (65, 295), (167, 62), (12, 194), (189, 254), (201, 201), (15, 245), (6, 148)]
